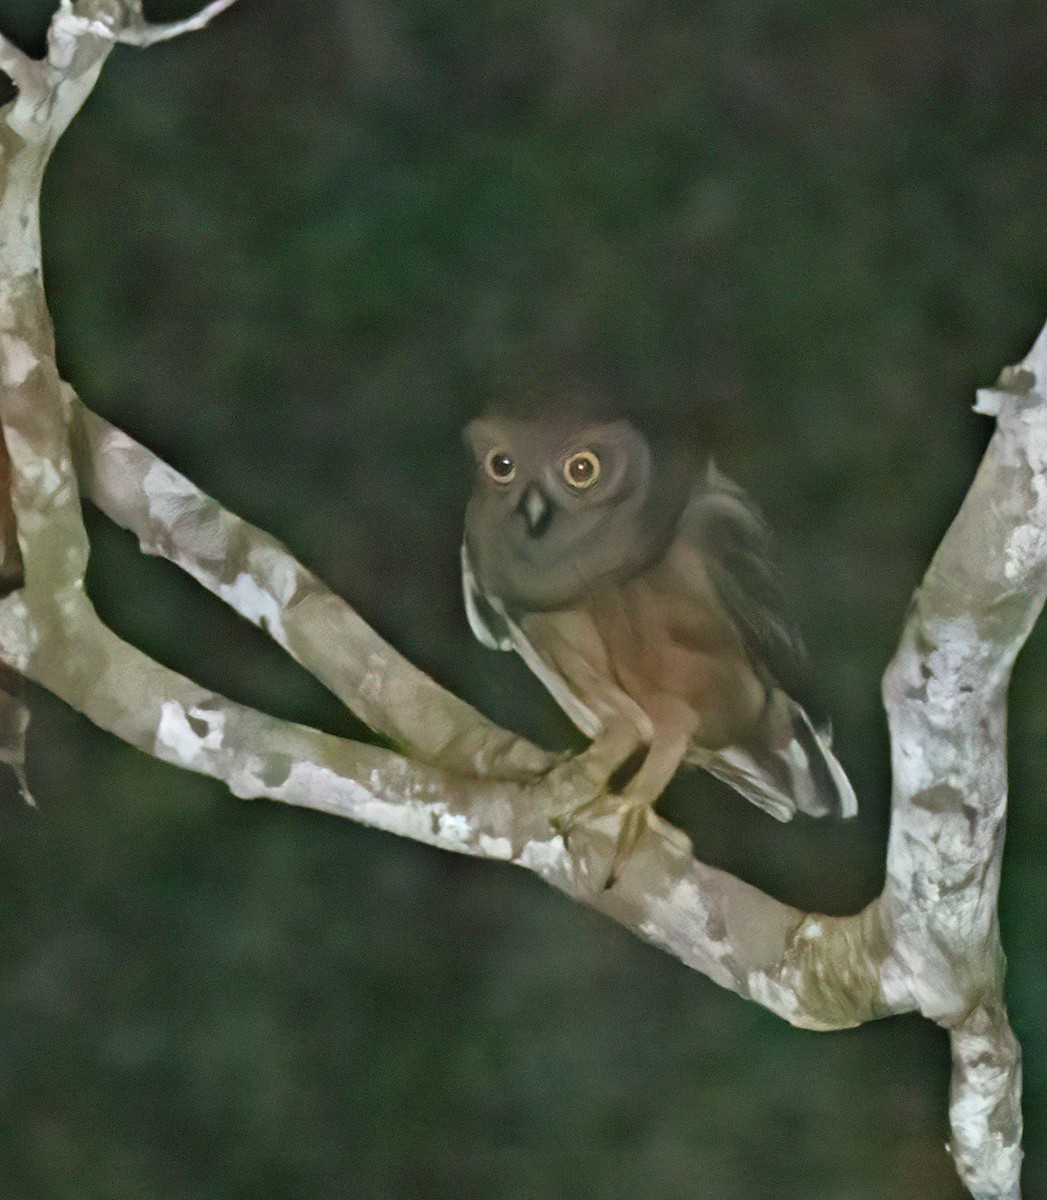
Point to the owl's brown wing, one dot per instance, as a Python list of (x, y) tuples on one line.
[(736, 546), (788, 763), (487, 619), (495, 628)]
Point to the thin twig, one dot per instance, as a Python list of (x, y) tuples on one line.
[(149, 35)]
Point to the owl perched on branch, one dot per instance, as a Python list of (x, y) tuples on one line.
[(639, 588)]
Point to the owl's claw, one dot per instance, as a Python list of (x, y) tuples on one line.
[(634, 822), (586, 776), (633, 814)]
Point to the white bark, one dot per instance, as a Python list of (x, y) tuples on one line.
[(929, 943)]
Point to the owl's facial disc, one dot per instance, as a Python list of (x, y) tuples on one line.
[(562, 504)]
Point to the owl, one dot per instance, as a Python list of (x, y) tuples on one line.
[(637, 584)]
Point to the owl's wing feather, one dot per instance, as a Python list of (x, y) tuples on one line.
[(580, 713), (736, 545), (486, 619), (788, 766), (739, 770), (497, 630)]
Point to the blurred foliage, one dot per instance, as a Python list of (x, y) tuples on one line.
[(294, 254)]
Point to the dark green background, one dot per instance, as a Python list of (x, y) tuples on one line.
[(293, 254)]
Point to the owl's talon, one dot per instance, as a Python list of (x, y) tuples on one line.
[(633, 823), (564, 827), (561, 828), (599, 806)]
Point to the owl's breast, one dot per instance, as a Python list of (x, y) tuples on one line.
[(671, 644), (653, 648), (577, 665)]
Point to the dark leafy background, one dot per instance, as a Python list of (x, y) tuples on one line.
[(294, 254)]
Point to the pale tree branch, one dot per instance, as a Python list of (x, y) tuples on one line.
[(929, 943), (258, 577)]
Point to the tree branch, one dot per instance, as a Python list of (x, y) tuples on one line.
[(256, 576), (140, 33)]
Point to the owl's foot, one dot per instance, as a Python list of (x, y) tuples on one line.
[(584, 778), (632, 815)]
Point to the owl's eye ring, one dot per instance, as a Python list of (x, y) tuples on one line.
[(581, 470), (500, 466)]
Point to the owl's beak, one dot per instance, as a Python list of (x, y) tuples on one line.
[(535, 509)]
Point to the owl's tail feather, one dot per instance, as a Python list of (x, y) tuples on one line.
[(787, 766)]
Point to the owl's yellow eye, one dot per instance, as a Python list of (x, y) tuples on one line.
[(500, 466), (581, 470)]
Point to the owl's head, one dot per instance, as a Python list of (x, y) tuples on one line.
[(562, 502)]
